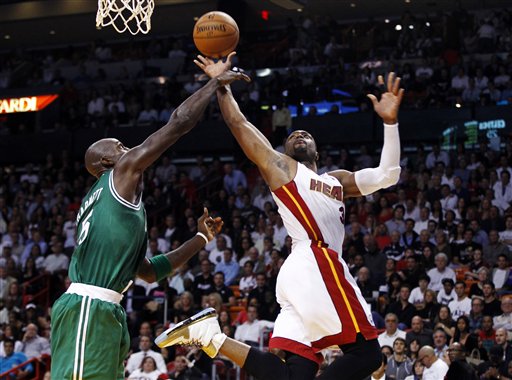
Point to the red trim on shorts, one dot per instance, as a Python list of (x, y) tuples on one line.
[(296, 348), (349, 332), (305, 218)]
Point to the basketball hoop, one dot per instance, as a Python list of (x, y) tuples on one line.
[(131, 15)]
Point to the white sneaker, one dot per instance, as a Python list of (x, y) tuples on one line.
[(197, 330)]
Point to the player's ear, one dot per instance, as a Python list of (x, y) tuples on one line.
[(317, 156)]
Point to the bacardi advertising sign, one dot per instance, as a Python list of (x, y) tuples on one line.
[(26, 104)]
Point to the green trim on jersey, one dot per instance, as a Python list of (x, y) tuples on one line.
[(112, 238)]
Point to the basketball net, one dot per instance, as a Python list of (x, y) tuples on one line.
[(131, 15)]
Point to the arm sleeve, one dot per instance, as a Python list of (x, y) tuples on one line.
[(388, 172)]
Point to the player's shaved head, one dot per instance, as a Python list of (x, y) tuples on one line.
[(101, 156)]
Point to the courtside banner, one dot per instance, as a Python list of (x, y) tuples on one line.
[(26, 103)]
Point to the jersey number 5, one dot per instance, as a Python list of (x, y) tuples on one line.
[(84, 231)]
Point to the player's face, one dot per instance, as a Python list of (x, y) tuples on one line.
[(301, 146)]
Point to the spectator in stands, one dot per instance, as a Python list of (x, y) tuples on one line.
[(399, 365), (13, 359), (56, 262), (461, 305), (463, 336), (417, 296), (501, 272), (185, 369), (229, 267), (476, 315), (250, 331), (495, 367), (33, 344), (435, 368), (392, 331), (487, 334), (446, 294), (506, 235), (248, 279), (444, 321), (233, 178), (281, 124), (144, 330), (419, 332), (5, 282), (422, 223), (148, 370), (396, 223), (459, 82), (440, 343), (136, 359), (503, 195), (440, 272), (220, 287), (504, 320), (182, 279), (459, 367), (403, 308), (471, 94), (501, 339), (203, 282), (492, 305), (374, 259), (395, 249), (410, 236), (437, 155)]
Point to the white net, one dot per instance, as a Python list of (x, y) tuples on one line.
[(131, 15)]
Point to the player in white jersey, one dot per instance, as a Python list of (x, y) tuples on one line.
[(321, 305)]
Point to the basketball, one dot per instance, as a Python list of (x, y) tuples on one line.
[(216, 34)]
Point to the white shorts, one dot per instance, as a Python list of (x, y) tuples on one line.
[(321, 305)]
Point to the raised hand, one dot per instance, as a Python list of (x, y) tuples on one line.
[(212, 68), (208, 225), (387, 107)]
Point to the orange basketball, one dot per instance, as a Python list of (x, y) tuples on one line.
[(216, 34)]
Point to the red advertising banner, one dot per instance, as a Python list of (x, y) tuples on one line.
[(26, 104)]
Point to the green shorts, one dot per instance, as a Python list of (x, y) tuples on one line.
[(89, 339)]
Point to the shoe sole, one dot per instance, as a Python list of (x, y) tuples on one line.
[(166, 338)]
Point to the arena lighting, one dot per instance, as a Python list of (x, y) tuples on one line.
[(411, 27), (427, 23), (7, 37), (458, 105), (26, 103), (386, 21), (398, 27), (262, 73), (352, 5)]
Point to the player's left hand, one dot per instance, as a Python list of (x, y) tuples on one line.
[(387, 107), (208, 225), (212, 68)]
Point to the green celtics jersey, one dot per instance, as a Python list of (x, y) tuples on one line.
[(111, 238)]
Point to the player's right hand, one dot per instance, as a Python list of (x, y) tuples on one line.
[(212, 68), (208, 225)]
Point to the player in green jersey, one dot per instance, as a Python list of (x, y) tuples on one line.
[(90, 338)]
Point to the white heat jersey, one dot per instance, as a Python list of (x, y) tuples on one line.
[(312, 208), (321, 304)]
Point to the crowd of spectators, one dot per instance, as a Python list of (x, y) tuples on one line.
[(432, 255), (443, 59)]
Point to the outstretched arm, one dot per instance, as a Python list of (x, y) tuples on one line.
[(129, 169), (161, 266), (369, 180), (276, 168)]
